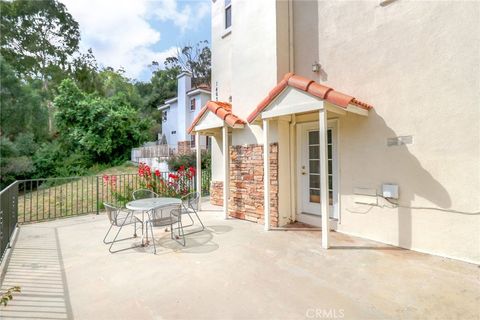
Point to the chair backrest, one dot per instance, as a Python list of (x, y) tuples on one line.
[(159, 214), (112, 212), (191, 200), (143, 194)]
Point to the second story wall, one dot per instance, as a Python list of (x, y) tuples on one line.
[(249, 58)]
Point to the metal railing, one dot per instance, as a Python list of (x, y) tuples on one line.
[(8, 215), (35, 200)]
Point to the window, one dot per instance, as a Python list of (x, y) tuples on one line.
[(174, 132), (192, 104), (192, 141), (228, 14), (165, 115)]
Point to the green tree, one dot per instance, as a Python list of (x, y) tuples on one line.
[(39, 38), (20, 106), (195, 59), (104, 128)]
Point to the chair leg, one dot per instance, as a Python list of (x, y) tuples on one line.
[(115, 239), (153, 239), (196, 231), (180, 233), (191, 219), (105, 239)]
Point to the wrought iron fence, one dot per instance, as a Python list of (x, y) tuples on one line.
[(8, 215), (34, 200)]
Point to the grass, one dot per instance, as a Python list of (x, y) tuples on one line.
[(62, 197)]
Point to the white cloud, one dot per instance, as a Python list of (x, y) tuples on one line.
[(119, 31), (185, 18)]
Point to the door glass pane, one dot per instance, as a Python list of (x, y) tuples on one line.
[(314, 181), (314, 152), (313, 137), (314, 195), (314, 166)]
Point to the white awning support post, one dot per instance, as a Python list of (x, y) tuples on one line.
[(199, 169), (266, 175), (226, 179), (324, 201)]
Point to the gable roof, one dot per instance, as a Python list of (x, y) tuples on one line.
[(314, 88), (223, 110)]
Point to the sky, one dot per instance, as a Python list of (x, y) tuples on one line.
[(133, 33)]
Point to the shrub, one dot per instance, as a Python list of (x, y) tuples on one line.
[(189, 160)]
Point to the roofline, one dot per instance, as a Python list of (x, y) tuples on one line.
[(311, 87), (163, 107), (196, 91), (219, 109), (184, 73), (171, 100)]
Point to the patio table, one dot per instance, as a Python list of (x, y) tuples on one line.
[(148, 204)]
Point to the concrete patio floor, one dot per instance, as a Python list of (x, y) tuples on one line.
[(233, 270)]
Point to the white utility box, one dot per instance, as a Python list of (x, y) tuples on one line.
[(390, 191)]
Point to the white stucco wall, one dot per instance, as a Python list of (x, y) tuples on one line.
[(418, 64), (171, 125)]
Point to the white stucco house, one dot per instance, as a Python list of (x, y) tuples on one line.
[(179, 112), (360, 117)]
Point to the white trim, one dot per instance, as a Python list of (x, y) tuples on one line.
[(226, 175), (357, 110), (197, 91), (324, 201), (299, 108), (226, 32), (293, 166), (171, 100), (266, 175), (199, 168), (184, 73), (163, 107)]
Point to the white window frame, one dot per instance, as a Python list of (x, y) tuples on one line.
[(228, 5)]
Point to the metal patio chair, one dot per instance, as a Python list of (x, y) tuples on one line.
[(163, 216), (120, 218), (143, 194), (189, 206)]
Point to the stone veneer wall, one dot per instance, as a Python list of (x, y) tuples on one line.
[(216, 193), (246, 183), (184, 147)]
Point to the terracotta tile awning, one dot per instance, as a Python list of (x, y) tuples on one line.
[(223, 110), (314, 88)]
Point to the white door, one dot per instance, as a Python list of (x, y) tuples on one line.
[(308, 163)]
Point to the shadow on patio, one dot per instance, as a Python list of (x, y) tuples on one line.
[(233, 270), (36, 266)]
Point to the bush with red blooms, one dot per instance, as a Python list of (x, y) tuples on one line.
[(176, 184), (122, 193)]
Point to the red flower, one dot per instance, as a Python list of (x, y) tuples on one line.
[(157, 173), (105, 179), (182, 168), (173, 176)]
